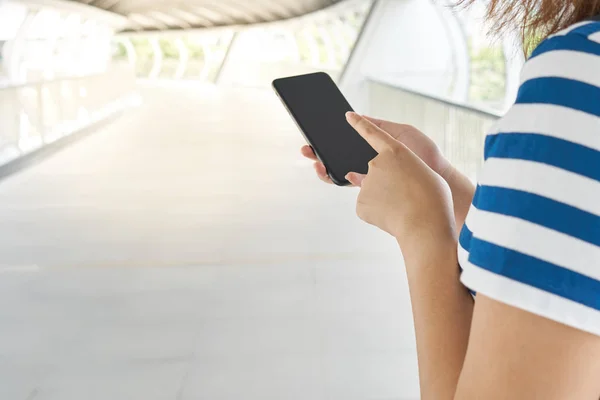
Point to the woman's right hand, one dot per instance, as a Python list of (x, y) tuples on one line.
[(411, 137), (426, 149)]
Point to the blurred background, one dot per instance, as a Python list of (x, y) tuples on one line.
[(160, 235)]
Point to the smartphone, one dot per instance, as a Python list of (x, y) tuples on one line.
[(319, 109)]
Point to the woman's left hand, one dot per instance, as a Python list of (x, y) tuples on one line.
[(401, 194)]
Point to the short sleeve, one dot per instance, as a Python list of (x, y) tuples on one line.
[(532, 237)]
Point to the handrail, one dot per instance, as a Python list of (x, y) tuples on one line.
[(458, 129), (440, 99), (17, 85), (56, 109)]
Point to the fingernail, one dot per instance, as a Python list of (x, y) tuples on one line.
[(352, 116)]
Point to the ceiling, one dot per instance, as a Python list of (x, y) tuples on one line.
[(152, 15)]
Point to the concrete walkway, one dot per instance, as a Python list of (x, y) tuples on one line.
[(187, 252)]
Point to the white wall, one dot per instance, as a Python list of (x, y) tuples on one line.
[(412, 43)]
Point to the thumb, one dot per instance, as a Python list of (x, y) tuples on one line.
[(355, 178)]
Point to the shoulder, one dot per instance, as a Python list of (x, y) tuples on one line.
[(555, 121), (535, 219), (567, 63), (583, 37), (560, 86)]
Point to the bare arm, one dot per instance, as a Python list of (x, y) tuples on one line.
[(463, 191), (442, 312), (512, 354), (405, 196), (442, 306), (517, 355), (489, 350)]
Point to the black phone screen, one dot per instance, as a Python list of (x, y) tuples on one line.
[(319, 109)]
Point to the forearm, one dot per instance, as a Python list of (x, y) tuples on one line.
[(442, 312), (463, 191)]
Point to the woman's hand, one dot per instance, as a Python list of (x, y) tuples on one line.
[(401, 194), (411, 137), (426, 149)]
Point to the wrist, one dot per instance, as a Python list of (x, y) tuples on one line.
[(429, 244), (432, 229)]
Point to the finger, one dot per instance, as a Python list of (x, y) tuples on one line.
[(377, 122), (399, 132), (322, 172), (393, 129), (376, 137), (355, 178), (309, 153)]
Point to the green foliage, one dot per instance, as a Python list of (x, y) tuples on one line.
[(488, 75), (195, 49), (142, 47), (531, 42), (168, 48), (119, 51)]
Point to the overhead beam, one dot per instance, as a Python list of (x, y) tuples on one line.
[(213, 21), (105, 4), (147, 22), (210, 14), (193, 19), (228, 10), (169, 20)]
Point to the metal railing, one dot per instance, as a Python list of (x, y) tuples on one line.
[(36, 114), (458, 129)]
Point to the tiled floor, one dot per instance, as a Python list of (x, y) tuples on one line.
[(187, 252)]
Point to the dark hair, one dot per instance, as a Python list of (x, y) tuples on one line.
[(537, 19)]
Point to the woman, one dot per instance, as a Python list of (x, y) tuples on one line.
[(529, 245)]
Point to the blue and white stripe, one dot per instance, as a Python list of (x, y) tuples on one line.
[(532, 236)]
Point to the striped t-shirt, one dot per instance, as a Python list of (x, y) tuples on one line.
[(532, 236)]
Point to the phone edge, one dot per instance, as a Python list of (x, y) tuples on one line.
[(334, 179)]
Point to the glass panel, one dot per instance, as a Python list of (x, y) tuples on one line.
[(145, 56), (459, 131), (170, 58), (12, 16), (259, 54), (488, 63), (45, 24)]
